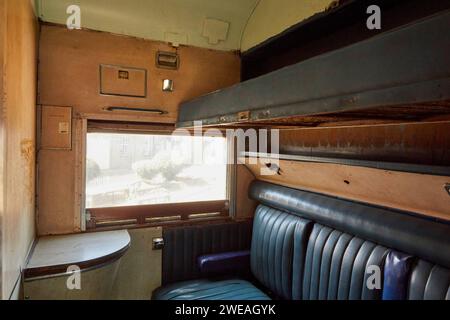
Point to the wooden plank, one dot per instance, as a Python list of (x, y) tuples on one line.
[(127, 127), (419, 193), (391, 166), (419, 143)]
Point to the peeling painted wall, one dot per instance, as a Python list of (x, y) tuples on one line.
[(81, 52), (18, 36)]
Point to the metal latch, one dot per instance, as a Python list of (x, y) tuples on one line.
[(244, 116), (158, 243), (167, 60)]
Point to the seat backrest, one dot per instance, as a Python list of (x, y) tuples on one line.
[(336, 267), (183, 245), (428, 281), (276, 235), (346, 238)]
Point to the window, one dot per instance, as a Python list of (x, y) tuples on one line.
[(125, 170)]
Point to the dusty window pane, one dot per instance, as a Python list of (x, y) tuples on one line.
[(136, 169)]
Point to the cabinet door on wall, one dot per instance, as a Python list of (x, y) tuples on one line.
[(56, 128)]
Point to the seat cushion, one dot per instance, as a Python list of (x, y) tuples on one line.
[(204, 289)]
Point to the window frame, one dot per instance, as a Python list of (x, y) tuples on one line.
[(152, 215)]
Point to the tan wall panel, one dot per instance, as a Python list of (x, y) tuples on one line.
[(69, 75), (19, 103), (140, 268), (2, 131), (69, 71), (56, 192), (418, 193), (56, 127), (245, 207), (96, 284)]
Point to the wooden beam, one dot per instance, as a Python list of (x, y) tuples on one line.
[(418, 193)]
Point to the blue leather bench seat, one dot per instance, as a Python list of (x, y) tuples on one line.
[(275, 233), (183, 245), (336, 264), (204, 289), (428, 282), (307, 246), (276, 236)]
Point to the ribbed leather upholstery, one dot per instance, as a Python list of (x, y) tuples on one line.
[(429, 282), (336, 264), (326, 257), (183, 245), (414, 235), (273, 247), (235, 289)]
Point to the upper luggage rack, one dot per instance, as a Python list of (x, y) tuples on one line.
[(399, 76)]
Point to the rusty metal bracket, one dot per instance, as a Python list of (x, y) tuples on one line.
[(447, 188), (244, 116)]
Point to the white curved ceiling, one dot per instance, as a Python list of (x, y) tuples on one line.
[(249, 22), (162, 20)]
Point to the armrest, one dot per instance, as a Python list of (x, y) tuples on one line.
[(236, 262)]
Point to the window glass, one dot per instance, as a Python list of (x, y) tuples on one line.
[(138, 169)]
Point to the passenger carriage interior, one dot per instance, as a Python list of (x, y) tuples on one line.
[(225, 150)]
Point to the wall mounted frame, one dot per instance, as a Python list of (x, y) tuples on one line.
[(123, 81)]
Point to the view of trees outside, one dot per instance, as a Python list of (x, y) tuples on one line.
[(137, 169)]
